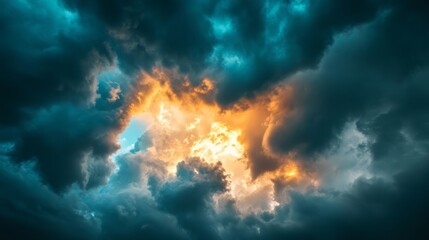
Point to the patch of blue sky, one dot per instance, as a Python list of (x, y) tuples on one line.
[(114, 77), (131, 134), (128, 138)]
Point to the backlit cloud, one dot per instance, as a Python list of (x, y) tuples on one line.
[(150, 119)]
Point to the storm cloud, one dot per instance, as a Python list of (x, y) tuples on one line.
[(331, 98)]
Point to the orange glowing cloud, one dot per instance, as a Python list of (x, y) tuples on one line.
[(184, 121)]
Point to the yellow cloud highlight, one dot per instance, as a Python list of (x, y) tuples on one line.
[(220, 143), (184, 121)]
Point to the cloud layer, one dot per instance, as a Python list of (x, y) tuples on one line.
[(331, 99)]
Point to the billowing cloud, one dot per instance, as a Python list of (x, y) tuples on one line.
[(293, 119), (364, 76)]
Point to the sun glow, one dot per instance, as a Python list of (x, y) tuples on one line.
[(186, 123), (220, 143)]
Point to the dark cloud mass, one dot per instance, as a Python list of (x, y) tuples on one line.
[(375, 69), (71, 73)]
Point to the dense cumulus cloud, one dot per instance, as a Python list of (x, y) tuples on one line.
[(350, 85)]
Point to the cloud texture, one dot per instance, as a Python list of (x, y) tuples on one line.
[(331, 98)]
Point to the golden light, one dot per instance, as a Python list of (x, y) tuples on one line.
[(219, 144), (189, 124), (287, 173)]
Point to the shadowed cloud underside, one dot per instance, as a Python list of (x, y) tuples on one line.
[(275, 119)]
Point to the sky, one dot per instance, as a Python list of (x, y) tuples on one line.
[(214, 119)]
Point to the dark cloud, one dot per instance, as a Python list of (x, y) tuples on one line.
[(182, 209), (189, 198), (244, 46), (172, 33), (133, 215), (372, 73), (276, 39), (70, 145), (29, 209), (50, 102), (346, 61), (47, 57), (372, 209)]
